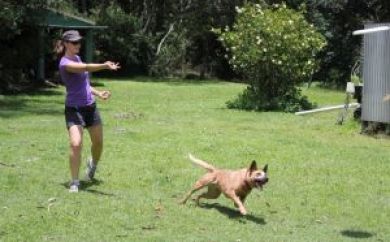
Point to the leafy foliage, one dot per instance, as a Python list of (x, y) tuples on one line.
[(123, 41), (336, 19), (18, 41), (172, 55), (137, 27), (192, 45), (274, 48)]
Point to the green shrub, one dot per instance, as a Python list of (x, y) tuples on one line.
[(355, 79), (291, 102), (274, 48)]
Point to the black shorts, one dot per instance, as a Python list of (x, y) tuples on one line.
[(85, 116)]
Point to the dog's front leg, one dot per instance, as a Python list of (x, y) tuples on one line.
[(238, 202)]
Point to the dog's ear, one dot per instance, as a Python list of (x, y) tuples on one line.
[(253, 166), (265, 169)]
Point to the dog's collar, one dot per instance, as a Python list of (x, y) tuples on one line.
[(248, 184)]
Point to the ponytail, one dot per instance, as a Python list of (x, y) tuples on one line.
[(59, 48)]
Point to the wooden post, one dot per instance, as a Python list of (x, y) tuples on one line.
[(89, 46), (41, 55)]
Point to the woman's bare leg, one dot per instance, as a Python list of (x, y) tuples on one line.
[(96, 135), (76, 143)]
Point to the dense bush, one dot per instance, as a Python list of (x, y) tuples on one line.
[(12, 44), (274, 48)]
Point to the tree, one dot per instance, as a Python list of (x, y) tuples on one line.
[(16, 36), (274, 48), (336, 19)]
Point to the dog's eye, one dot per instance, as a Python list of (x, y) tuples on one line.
[(259, 174)]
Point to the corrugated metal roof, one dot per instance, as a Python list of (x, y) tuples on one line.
[(376, 75)]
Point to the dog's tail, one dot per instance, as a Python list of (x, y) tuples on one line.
[(201, 163)]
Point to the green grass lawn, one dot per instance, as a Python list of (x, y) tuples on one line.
[(327, 182)]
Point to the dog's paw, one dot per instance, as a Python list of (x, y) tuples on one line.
[(243, 212)]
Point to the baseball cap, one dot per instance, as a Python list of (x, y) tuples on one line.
[(71, 35)]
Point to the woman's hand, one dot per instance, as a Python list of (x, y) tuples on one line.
[(104, 95), (112, 66)]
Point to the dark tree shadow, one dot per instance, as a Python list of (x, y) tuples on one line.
[(357, 234), (36, 92), (26, 104), (7, 165), (233, 213)]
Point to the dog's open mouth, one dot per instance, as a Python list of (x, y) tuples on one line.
[(261, 182)]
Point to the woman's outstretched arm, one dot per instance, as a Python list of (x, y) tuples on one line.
[(76, 67)]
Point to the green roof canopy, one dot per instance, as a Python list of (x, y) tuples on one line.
[(56, 19), (50, 18)]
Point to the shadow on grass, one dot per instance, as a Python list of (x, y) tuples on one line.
[(7, 165), (25, 103), (37, 92), (357, 234), (85, 187), (233, 214), (2, 233), (168, 81), (99, 192)]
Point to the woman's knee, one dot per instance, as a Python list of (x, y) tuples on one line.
[(76, 137), (76, 145)]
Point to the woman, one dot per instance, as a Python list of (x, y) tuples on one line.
[(80, 107)]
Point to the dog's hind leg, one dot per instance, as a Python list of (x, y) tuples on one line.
[(212, 192), (204, 181), (196, 187)]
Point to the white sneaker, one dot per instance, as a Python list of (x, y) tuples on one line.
[(74, 187), (90, 172)]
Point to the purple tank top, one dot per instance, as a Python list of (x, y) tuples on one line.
[(78, 88)]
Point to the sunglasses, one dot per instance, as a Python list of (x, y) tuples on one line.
[(75, 42)]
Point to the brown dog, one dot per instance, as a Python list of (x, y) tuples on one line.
[(235, 185)]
